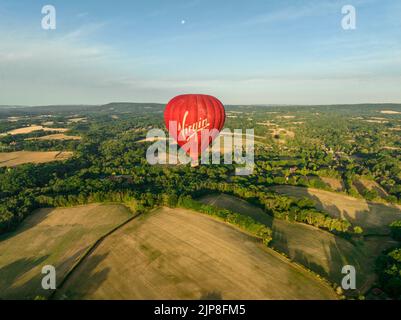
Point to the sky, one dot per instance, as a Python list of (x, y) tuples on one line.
[(243, 52)]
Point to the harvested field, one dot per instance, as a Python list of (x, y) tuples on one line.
[(57, 237), (390, 112), (56, 136), (376, 121), (33, 128), (363, 184), (286, 117), (154, 139), (391, 148), (11, 159), (267, 123), (237, 134), (48, 123), (333, 183), (15, 119), (76, 120), (25, 130), (316, 249), (181, 254), (371, 216)]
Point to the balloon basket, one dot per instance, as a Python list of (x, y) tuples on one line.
[(194, 164)]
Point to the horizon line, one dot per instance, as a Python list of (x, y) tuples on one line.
[(228, 104)]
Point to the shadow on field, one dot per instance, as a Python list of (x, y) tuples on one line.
[(211, 295), (332, 256), (239, 205), (22, 279), (328, 253), (380, 224), (319, 250), (33, 219), (84, 281), (15, 271), (374, 218), (303, 259), (325, 253)]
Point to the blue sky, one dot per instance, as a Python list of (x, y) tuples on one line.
[(244, 52)]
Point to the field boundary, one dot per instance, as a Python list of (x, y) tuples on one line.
[(278, 254), (384, 202), (89, 251), (274, 251)]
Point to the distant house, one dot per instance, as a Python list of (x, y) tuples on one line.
[(121, 178), (377, 291)]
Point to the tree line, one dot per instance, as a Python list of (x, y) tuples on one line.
[(388, 266)]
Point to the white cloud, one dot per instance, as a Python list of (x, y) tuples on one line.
[(84, 31), (294, 12), (7, 57), (82, 15)]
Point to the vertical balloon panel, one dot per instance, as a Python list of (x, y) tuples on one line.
[(194, 121)]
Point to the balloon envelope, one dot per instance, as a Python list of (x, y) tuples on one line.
[(194, 121)]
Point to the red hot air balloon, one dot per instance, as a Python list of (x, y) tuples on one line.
[(194, 121)]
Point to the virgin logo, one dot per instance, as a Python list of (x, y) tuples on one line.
[(186, 131)]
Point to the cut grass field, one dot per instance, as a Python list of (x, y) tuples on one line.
[(57, 237), (318, 250), (181, 254), (11, 159), (363, 185), (56, 136), (334, 183), (29, 129), (372, 217)]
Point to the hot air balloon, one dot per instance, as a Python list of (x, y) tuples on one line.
[(194, 121)]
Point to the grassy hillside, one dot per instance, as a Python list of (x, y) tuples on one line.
[(58, 237), (180, 254)]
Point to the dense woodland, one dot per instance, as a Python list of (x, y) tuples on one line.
[(388, 265)]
